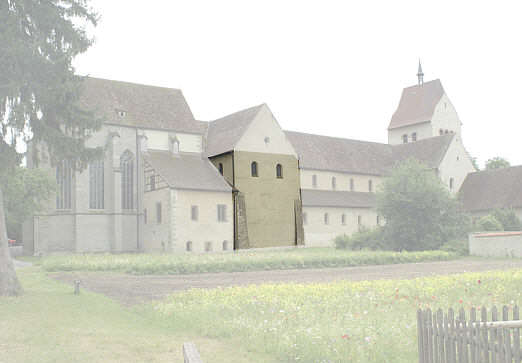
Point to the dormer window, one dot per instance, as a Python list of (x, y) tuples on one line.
[(121, 113)]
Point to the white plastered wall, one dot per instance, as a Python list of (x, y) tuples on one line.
[(207, 228), (456, 164), (324, 180), (445, 117), (423, 130), (319, 234), (265, 127), (159, 140)]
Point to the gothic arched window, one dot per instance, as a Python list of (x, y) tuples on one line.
[(127, 180), (64, 185)]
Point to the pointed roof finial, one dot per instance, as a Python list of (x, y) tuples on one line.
[(420, 74)]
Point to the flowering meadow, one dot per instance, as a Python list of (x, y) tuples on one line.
[(371, 321), (174, 264)]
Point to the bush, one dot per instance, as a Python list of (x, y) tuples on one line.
[(508, 219), (459, 246), (489, 223), (366, 238)]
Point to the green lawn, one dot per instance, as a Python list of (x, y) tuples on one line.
[(300, 258), (49, 324)]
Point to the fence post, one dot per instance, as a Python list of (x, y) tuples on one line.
[(420, 335), (485, 334), (191, 354), (472, 335), (507, 336), (516, 336)]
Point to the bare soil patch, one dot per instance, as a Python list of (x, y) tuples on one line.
[(130, 289)]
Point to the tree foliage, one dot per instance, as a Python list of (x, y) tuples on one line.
[(497, 163), (26, 192), (420, 213), (39, 91)]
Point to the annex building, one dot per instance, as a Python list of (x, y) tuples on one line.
[(169, 182)]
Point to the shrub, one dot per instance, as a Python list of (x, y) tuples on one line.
[(459, 246), (366, 238), (508, 219), (489, 223)]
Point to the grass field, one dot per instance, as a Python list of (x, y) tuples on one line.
[(337, 322), (49, 324), (302, 258)]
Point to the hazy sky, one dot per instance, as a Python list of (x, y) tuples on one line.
[(327, 67)]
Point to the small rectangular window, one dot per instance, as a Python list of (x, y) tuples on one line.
[(153, 182), (158, 212), (208, 246), (314, 181), (194, 213), (222, 212), (145, 216)]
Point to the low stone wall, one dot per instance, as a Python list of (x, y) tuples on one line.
[(16, 251), (496, 244)]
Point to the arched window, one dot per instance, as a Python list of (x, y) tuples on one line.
[(414, 136), (96, 185), (225, 245), (441, 132), (279, 171), (352, 185), (208, 246), (343, 219), (446, 131), (370, 185), (127, 180), (334, 182), (451, 183), (174, 145), (326, 218), (253, 168), (378, 220), (314, 181), (64, 185), (189, 246), (405, 138), (221, 168)]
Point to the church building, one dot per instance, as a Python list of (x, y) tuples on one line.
[(171, 183)]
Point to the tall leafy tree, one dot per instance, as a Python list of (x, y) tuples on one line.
[(39, 92), (420, 213), (497, 163)]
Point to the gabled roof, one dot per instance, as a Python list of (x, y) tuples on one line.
[(417, 104), (361, 157), (340, 199), (144, 106), (492, 189), (342, 155), (224, 133), (429, 151), (187, 171)]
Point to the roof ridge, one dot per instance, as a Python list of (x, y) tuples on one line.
[(338, 138), (237, 112), (130, 83)]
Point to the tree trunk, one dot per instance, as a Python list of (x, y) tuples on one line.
[(9, 284)]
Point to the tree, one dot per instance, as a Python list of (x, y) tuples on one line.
[(497, 163), (26, 191), (508, 219), (39, 92), (419, 211)]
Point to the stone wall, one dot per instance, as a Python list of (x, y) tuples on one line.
[(496, 244)]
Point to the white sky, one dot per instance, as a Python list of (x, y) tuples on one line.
[(327, 67)]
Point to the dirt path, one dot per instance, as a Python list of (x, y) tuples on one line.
[(130, 290)]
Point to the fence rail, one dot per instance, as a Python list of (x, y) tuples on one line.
[(446, 338)]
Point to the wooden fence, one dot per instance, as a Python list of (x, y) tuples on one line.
[(446, 338)]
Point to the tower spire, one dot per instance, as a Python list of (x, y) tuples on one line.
[(420, 74)]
